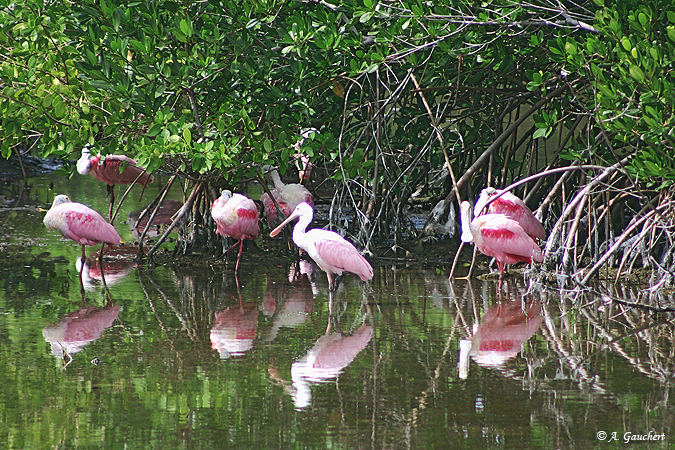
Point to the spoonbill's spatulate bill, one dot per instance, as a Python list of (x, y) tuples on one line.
[(331, 252)]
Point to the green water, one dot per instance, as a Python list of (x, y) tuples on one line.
[(178, 356)]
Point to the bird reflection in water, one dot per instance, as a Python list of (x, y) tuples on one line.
[(117, 265), (78, 329), (235, 329), (289, 304), (323, 363), (501, 334), (163, 217)]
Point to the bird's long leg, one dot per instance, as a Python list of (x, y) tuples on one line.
[(330, 301), (100, 265), (500, 265), (241, 247), (111, 193), (84, 258)]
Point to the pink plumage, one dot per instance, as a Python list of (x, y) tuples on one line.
[(498, 236), (80, 223), (236, 216), (271, 210), (288, 196), (330, 251), (112, 169), (513, 207)]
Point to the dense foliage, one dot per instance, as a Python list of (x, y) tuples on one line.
[(399, 92)]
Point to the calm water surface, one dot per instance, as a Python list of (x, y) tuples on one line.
[(177, 356)]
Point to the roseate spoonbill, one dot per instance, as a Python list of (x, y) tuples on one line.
[(500, 237), (236, 216), (330, 251), (287, 195), (112, 170), (80, 223), (511, 206)]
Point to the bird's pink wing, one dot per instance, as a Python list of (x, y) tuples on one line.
[(503, 235), (516, 209), (120, 169), (337, 252), (85, 223)]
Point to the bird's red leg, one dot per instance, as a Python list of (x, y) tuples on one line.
[(241, 247)]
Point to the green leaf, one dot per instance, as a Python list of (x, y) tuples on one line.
[(187, 135), (185, 27), (671, 32), (636, 73), (539, 132), (365, 17)]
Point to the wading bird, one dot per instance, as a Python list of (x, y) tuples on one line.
[(112, 170), (513, 208), (330, 251), (236, 216), (288, 196), (498, 236), (80, 223)]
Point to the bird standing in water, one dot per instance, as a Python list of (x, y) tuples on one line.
[(112, 170), (498, 236), (512, 207), (81, 224), (236, 216), (330, 251)]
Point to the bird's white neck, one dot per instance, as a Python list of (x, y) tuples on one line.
[(300, 230), (276, 179), (465, 216)]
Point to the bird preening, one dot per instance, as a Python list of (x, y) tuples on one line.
[(507, 230), (112, 170), (236, 216)]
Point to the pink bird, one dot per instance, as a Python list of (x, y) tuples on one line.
[(330, 251), (112, 170), (500, 237), (271, 209), (80, 223), (288, 196), (236, 216), (513, 208)]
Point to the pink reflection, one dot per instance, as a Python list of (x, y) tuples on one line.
[(79, 328), (502, 331), (289, 304), (164, 216), (118, 262), (235, 330), (325, 361)]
